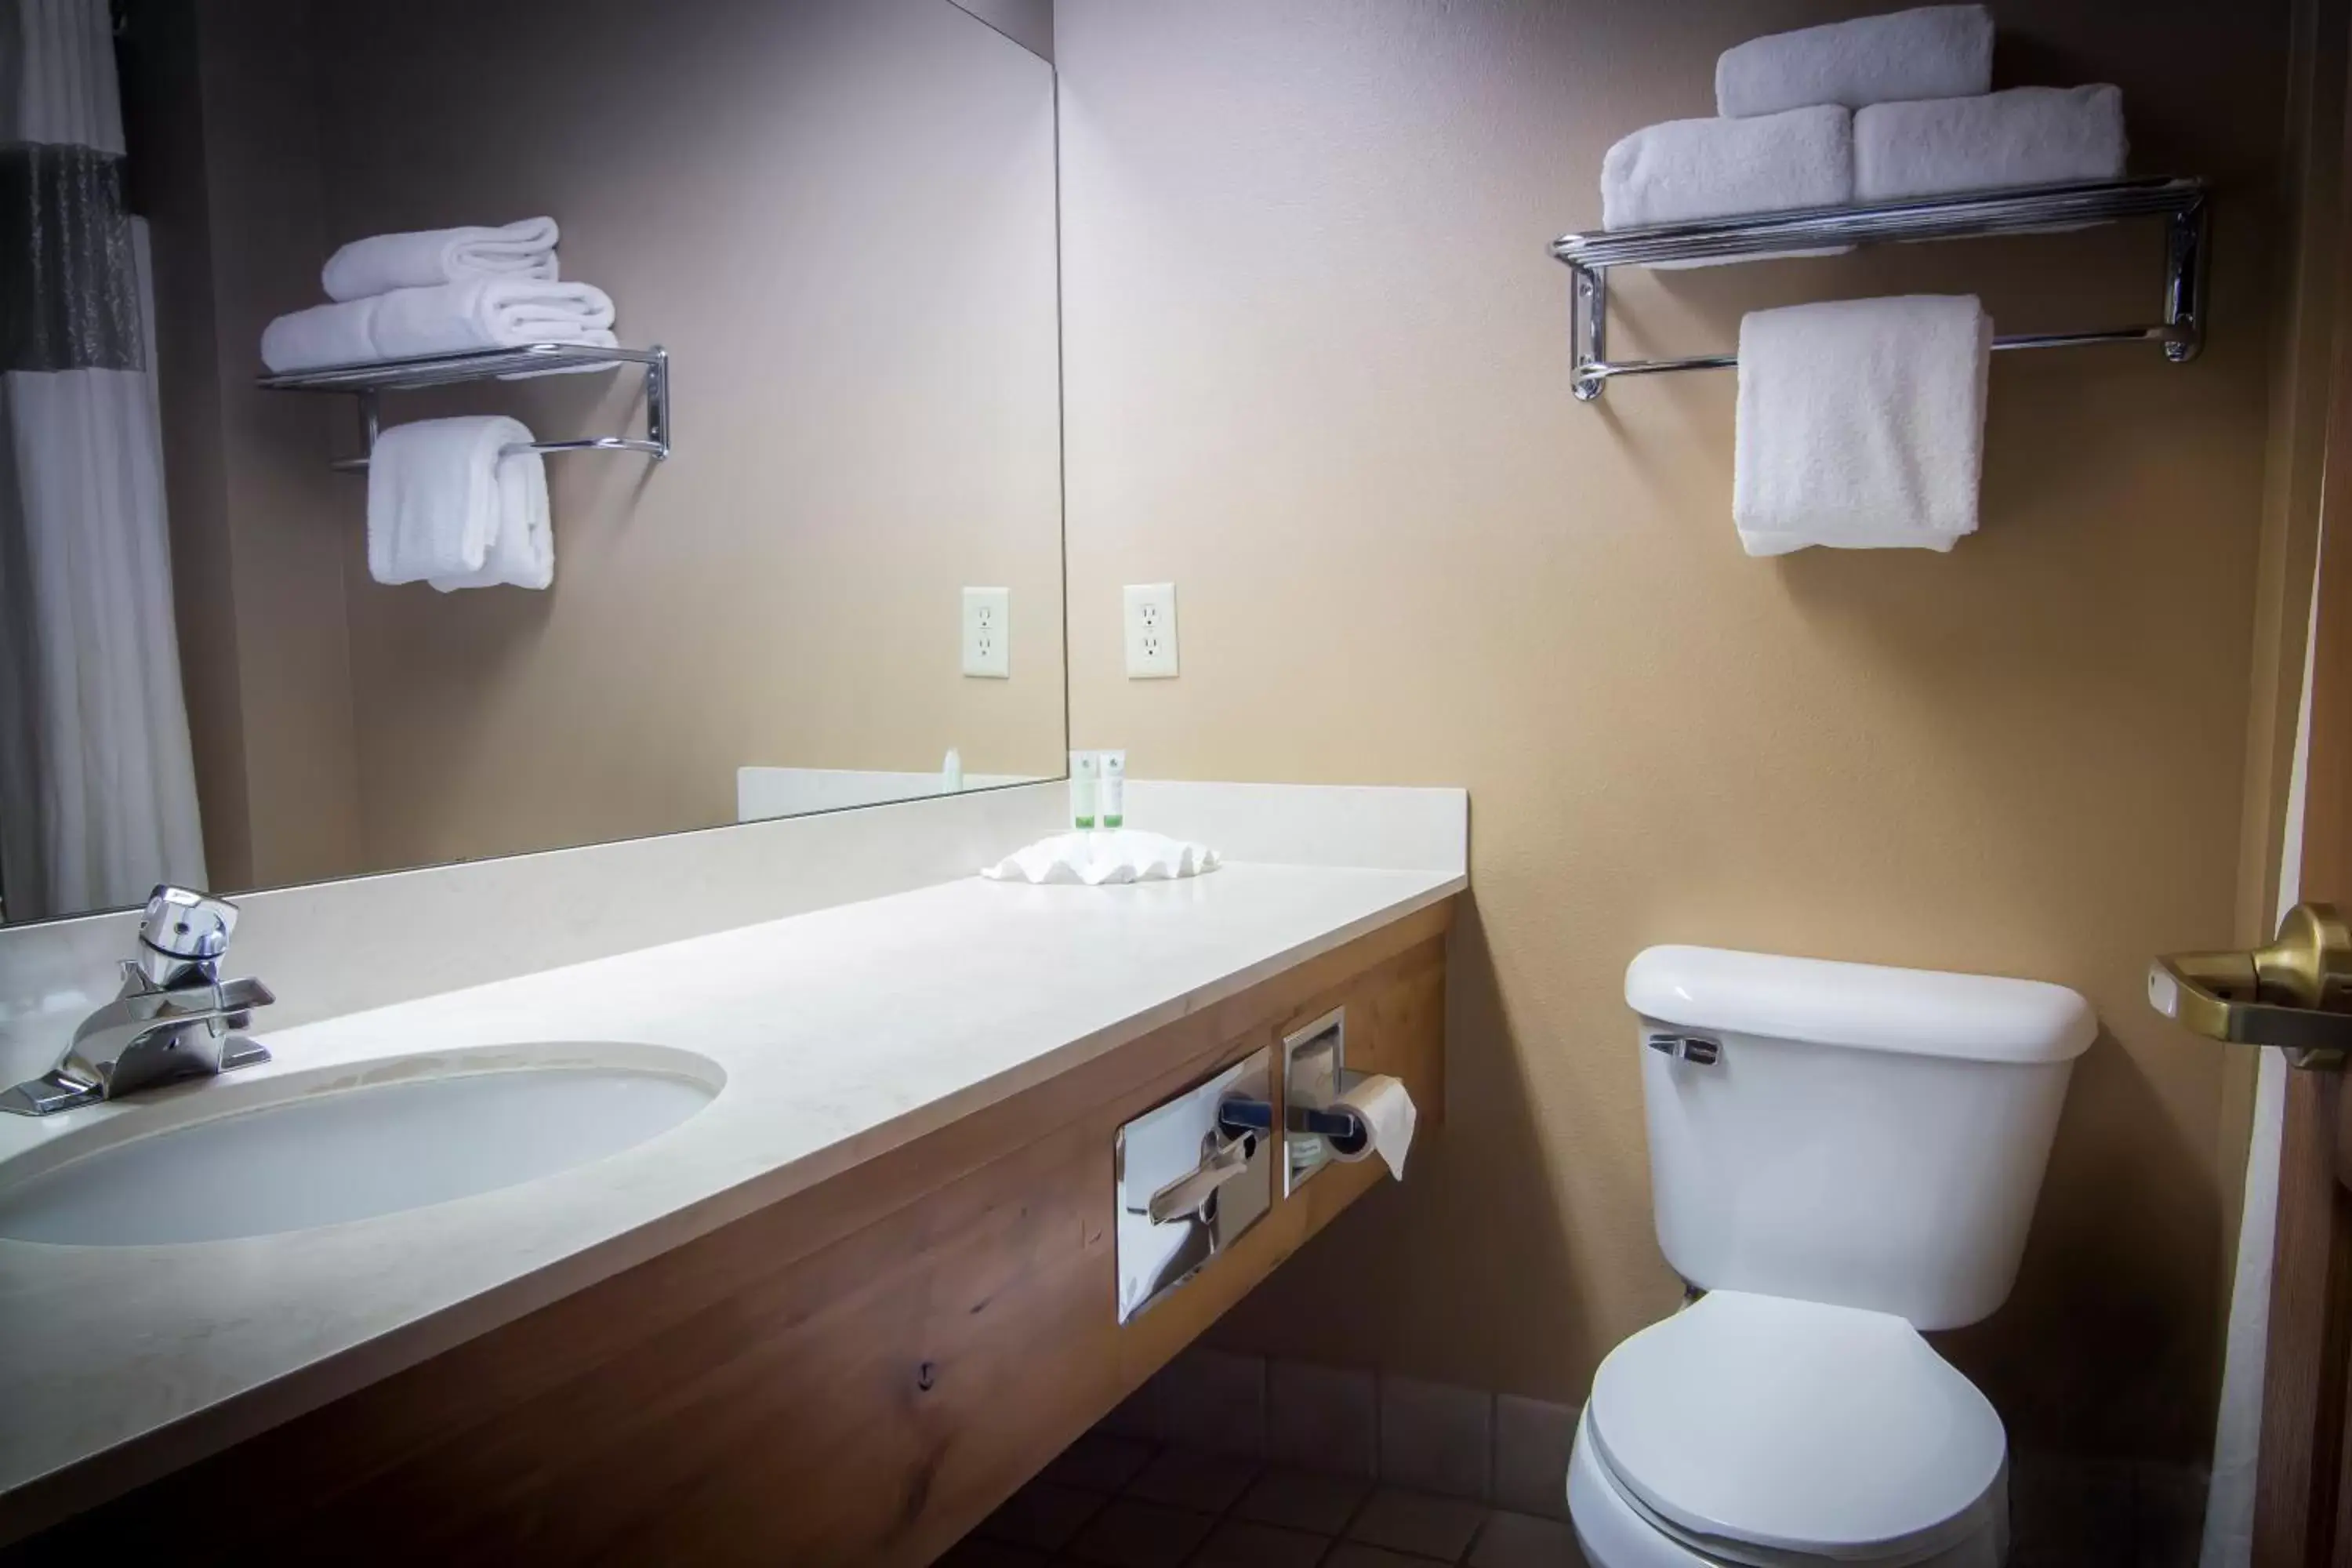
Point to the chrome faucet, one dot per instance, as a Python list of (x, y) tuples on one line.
[(174, 1019)]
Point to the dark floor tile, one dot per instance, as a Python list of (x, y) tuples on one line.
[(1042, 1516), (1186, 1477), (1237, 1543), (1133, 1533), (1302, 1500)]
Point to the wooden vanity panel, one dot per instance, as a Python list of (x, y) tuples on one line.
[(858, 1374)]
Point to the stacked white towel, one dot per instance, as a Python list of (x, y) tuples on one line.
[(453, 317), (1924, 121), (1689, 168), (450, 505), (1861, 423), (427, 259), (1935, 51), (450, 290), (2026, 136)]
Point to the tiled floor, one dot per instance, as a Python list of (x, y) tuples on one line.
[(1124, 1502)]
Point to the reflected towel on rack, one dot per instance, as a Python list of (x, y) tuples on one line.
[(445, 506), (1685, 170), (489, 313), (2026, 136), (1935, 51), (322, 335), (383, 262), (1861, 423)]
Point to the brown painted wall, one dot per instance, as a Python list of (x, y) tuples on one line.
[(1318, 377)]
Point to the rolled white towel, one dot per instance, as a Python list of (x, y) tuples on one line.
[(1861, 423), (490, 313), (322, 335), (1936, 51), (2026, 136), (430, 257), (1688, 169)]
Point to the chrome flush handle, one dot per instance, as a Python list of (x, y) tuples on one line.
[(1696, 1049)]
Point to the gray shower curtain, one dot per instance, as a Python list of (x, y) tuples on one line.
[(97, 788)]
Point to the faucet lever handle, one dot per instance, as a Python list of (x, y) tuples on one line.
[(183, 928)]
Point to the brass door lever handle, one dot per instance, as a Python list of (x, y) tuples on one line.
[(2295, 993)]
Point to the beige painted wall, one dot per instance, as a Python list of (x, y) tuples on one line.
[(1317, 375)]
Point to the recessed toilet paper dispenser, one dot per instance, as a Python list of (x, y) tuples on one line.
[(1189, 1182)]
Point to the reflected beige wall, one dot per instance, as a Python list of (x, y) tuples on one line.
[(839, 218), (1318, 377), (224, 169)]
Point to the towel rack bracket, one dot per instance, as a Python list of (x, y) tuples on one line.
[(370, 380), (2181, 202)]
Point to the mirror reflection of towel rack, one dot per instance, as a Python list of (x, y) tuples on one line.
[(369, 381), (2045, 209)]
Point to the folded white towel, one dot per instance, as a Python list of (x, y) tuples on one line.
[(1689, 168), (425, 259), (2026, 136), (489, 313), (1936, 51), (445, 507), (322, 335), (1861, 423), (1118, 855)]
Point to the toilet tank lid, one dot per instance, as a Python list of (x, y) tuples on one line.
[(1868, 1006)]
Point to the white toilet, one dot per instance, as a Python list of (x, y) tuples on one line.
[(1841, 1155)]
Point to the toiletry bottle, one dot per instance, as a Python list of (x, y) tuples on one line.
[(1111, 792), (1086, 768), (951, 772)]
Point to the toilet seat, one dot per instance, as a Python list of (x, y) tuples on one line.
[(1761, 1430)]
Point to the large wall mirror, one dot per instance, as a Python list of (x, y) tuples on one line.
[(837, 217)]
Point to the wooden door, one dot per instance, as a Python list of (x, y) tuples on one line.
[(2303, 1509)]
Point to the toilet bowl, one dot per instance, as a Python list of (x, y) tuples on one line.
[(1842, 1155), (1757, 1430)]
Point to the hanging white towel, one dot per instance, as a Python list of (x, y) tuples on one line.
[(521, 552), (1861, 423), (2026, 136), (1935, 51), (427, 258), (438, 505), (1688, 169)]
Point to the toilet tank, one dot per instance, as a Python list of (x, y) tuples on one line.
[(1862, 1136)]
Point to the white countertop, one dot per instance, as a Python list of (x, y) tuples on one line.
[(843, 1033)]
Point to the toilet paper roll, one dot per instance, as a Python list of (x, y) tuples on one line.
[(1385, 1107)]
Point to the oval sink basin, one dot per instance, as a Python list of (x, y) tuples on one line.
[(341, 1154)]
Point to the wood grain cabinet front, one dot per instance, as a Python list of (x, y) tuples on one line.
[(856, 1375)]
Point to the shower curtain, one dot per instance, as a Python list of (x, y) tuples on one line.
[(98, 798)]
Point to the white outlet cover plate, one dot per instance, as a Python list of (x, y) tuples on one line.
[(1150, 631), (988, 633)]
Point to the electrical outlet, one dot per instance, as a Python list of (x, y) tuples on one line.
[(988, 633), (1150, 631)]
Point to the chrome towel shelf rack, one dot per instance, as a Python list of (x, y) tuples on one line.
[(2044, 209), (369, 380)]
